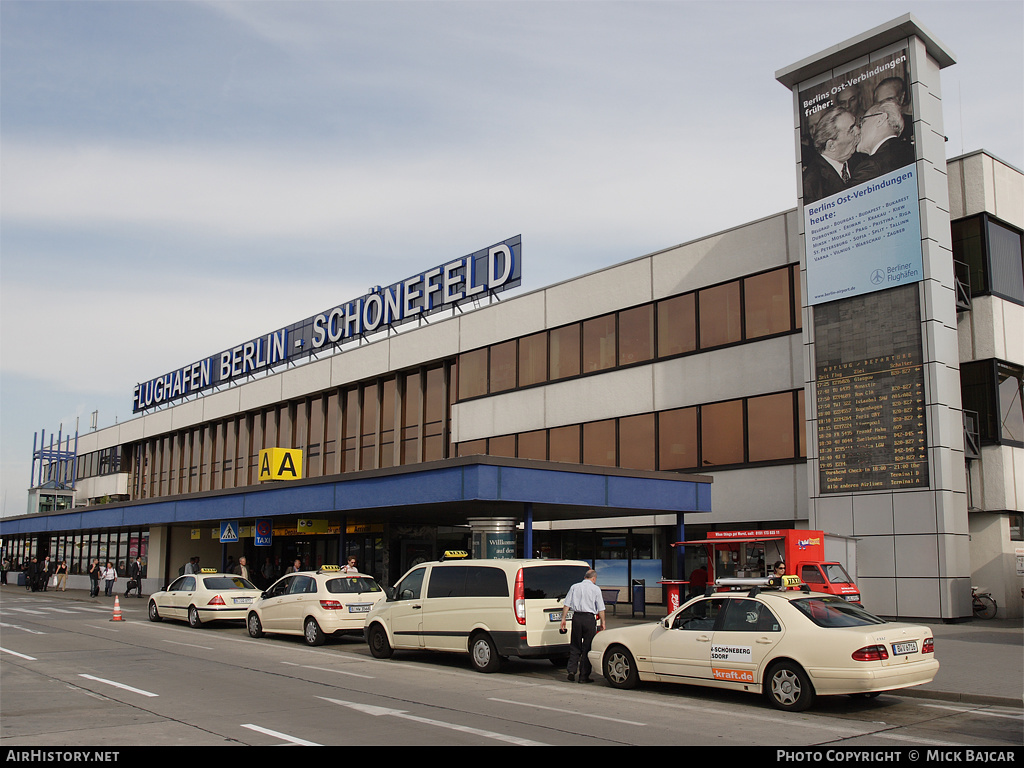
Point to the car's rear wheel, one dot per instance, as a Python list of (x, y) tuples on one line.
[(193, 617), (620, 668), (312, 632), (788, 688), (483, 654), (254, 626), (377, 639), (154, 614)]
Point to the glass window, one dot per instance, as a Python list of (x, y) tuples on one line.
[(368, 430), (350, 455), (1005, 251), (599, 443), (435, 415), (720, 315), (564, 444), (677, 439), (473, 373), (745, 615), (564, 351), (504, 445), (992, 388), (389, 389), (636, 442), (503, 366), (533, 359), (721, 432), (409, 588), (677, 325), (1011, 410), (770, 427), (766, 303), (473, 448), (636, 334), (533, 445), (411, 410), (699, 616), (599, 344)]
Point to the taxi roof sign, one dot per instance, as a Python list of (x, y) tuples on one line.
[(207, 570), (329, 568), (455, 554)]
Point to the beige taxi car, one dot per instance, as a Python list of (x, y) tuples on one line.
[(315, 604), (774, 637), (203, 597)]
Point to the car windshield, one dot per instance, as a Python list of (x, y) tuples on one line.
[(836, 574), (352, 585), (218, 583), (551, 582), (828, 611)]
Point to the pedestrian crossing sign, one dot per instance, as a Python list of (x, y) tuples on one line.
[(229, 532)]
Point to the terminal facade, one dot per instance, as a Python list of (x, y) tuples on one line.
[(678, 386)]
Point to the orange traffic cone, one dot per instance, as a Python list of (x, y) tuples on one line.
[(117, 610)]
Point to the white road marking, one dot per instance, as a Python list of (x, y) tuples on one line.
[(324, 669), (282, 736), (19, 655), (973, 711), (381, 711), (23, 629), (122, 686), (190, 645), (567, 711)]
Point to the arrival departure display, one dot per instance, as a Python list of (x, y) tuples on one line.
[(870, 394)]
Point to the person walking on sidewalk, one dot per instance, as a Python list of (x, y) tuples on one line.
[(109, 577), (587, 605), (94, 578)]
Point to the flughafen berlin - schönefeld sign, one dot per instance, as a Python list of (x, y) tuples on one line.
[(469, 278)]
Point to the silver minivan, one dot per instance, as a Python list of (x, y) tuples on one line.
[(490, 609)]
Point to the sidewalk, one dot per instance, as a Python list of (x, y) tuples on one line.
[(981, 662)]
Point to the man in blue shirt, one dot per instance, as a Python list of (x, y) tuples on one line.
[(585, 601)]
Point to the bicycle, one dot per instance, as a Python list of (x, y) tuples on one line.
[(983, 604)]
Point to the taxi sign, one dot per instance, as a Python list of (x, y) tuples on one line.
[(207, 570), (455, 554), (329, 568)]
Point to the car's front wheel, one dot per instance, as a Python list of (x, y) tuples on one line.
[(620, 668), (788, 688), (254, 626), (377, 639), (154, 614)]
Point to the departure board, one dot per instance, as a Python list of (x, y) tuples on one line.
[(870, 393)]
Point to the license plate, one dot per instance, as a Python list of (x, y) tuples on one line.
[(364, 608), (902, 649), (242, 600), (557, 616)]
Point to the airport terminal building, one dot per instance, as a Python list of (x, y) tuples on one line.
[(604, 418)]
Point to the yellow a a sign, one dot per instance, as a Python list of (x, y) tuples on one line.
[(280, 464)]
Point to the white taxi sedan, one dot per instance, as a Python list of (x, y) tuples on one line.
[(202, 597), (789, 646), (315, 604)]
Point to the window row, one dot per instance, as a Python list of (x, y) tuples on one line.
[(400, 419), (79, 549), (741, 310), (733, 432)]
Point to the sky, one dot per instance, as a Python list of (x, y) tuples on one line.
[(179, 177)]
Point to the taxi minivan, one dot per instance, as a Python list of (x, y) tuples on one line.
[(488, 609)]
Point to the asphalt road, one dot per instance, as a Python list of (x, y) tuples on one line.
[(71, 677)]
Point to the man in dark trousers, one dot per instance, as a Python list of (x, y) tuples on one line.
[(587, 605), (135, 578)]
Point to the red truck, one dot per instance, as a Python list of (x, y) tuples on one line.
[(754, 554)]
